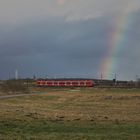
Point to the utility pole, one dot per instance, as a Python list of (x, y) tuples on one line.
[(137, 77), (115, 77), (137, 81), (101, 76)]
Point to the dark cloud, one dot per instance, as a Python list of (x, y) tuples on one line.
[(61, 49)]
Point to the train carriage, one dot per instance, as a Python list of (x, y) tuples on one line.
[(65, 83)]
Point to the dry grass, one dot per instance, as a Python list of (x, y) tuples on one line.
[(71, 105)]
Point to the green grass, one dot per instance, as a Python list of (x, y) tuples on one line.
[(42, 129), (110, 90), (91, 90)]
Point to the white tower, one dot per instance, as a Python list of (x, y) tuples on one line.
[(16, 74)]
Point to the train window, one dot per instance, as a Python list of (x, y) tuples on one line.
[(49, 83), (55, 83), (38, 82), (88, 83), (81, 83), (43, 82), (62, 83), (68, 83), (75, 83)]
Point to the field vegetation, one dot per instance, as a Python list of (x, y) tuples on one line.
[(13, 87), (72, 114)]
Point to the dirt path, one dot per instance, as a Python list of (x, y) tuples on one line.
[(12, 96)]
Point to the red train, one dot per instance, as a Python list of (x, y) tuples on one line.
[(65, 83)]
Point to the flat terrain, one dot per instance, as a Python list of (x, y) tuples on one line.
[(72, 114)]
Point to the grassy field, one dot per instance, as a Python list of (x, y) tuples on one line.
[(72, 114)]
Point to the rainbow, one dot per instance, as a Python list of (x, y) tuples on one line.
[(117, 37)]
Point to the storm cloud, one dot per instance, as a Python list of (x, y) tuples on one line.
[(57, 39)]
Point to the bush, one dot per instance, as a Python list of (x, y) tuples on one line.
[(14, 86)]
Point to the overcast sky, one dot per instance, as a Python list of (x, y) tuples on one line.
[(67, 38)]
